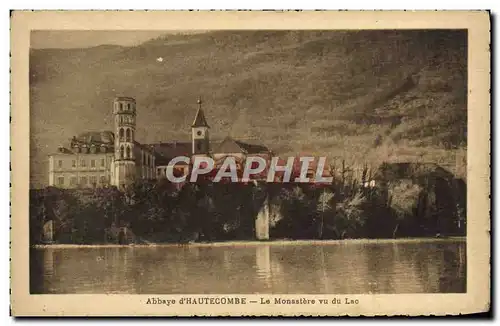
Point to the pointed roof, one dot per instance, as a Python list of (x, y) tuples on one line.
[(229, 145), (199, 119)]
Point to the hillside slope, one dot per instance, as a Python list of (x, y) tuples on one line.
[(362, 95)]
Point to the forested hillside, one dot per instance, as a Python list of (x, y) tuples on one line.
[(360, 95)]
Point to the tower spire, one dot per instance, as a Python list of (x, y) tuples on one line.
[(199, 102), (199, 132), (199, 119)]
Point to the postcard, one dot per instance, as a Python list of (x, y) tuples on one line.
[(247, 163)]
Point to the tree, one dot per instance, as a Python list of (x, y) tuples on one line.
[(323, 207), (298, 213), (403, 200), (350, 213)]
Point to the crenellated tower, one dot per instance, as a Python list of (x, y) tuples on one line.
[(124, 112)]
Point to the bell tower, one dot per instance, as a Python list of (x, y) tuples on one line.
[(199, 133), (124, 112)]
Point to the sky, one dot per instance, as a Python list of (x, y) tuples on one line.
[(82, 39)]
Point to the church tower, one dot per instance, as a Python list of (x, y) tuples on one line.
[(199, 133), (124, 112)]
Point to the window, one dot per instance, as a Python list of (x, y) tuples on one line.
[(92, 163), (121, 106), (60, 181), (121, 151), (127, 134), (103, 162), (73, 181), (198, 132), (82, 163), (73, 163), (59, 163), (93, 180), (128, 152), (121, 133), (83, 181), (102, 179)]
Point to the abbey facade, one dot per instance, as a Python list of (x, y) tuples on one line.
[(103, 158)]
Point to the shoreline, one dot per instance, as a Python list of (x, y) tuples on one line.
[(248, 243)]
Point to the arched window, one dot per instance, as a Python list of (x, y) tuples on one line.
[(121, 106), (131, 134), (127, 134), (121, 134), (128, 106), (121, 151), (128, 152)]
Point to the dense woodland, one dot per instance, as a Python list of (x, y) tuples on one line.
[(408, 201)]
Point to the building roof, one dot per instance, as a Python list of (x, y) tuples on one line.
[(61, 150), (96, 137), (124, 98), (199, 119), (230, 145), (166, 151)]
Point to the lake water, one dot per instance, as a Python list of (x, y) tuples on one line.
[(344, 267)]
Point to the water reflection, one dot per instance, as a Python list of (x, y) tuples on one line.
[(263, 265), (336, 268)]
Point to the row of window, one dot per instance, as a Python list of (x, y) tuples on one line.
[(126, 134), (125, 152), (83, 163), (126, 119), (122, 106), (147, 159), (92, 149), (84, 181)]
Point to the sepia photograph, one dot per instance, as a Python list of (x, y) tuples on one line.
[(252, 166)]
